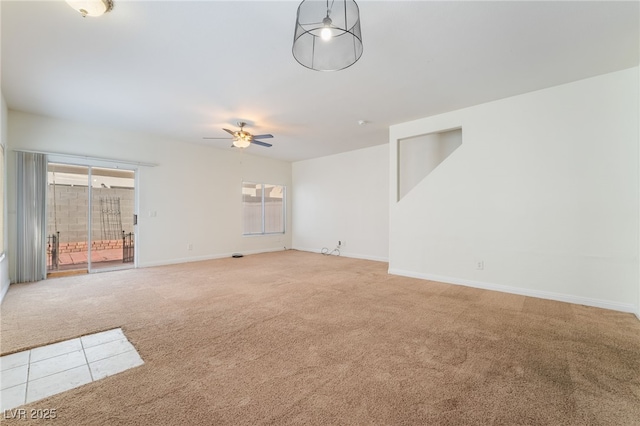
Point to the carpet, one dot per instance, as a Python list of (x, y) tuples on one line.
[(301, 338)]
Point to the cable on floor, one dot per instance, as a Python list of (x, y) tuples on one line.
[(335, 252)]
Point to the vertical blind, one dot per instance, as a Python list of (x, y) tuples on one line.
[(31, 208), (2, 192)]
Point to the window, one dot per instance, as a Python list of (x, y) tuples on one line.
[(263, 208)]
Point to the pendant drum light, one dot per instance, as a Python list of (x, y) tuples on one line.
[(328, 35)]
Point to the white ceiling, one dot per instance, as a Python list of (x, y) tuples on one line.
[(184, 69)]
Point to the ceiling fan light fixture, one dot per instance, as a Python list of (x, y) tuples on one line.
[(327, 35), (243, 139), (241, 142), (91, 7)]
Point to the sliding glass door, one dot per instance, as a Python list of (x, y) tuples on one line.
[(90, 224)]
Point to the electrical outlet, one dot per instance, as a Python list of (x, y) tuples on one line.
[(189, 246), (344, 243), (479, 265), (339, 243)]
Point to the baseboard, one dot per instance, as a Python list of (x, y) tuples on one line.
[(347, 254), (578, 300), (205, 257)]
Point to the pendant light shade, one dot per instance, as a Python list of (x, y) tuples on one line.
[(91, 7), (328, 35)]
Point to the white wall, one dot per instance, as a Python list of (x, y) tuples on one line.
[(544, 191), (343, 197), (4, 261), (204, 206)]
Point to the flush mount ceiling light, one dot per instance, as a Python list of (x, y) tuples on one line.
[(328, 35), (91, 7)]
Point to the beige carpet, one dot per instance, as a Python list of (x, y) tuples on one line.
[(301, 338)]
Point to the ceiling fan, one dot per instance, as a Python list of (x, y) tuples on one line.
[(242, 138)]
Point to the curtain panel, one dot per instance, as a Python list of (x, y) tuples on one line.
[(31, 261)]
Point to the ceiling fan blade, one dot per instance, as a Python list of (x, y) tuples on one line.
[(228, 131), (262, 136), (261, 143), (215, 138)]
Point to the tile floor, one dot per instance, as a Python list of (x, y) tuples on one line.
[(41, 372)]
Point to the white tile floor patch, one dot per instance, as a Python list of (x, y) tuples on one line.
[(41, 372)]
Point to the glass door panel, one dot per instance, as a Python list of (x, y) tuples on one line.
[(67, 218), (112, 218)]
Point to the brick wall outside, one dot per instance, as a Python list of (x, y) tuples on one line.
[(81, 246), (68, 209)]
